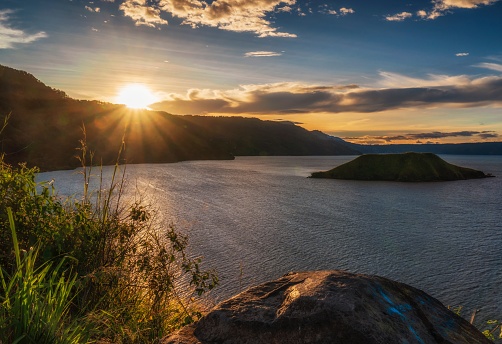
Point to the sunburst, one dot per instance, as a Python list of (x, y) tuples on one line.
[(136, 96)]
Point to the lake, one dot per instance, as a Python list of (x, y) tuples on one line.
[(256, 218)]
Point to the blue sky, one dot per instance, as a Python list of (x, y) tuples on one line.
[(368, 71)]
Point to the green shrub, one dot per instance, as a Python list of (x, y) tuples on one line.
[(35, 301), (137, 282)]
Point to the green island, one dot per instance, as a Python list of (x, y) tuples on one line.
[(405, 167)]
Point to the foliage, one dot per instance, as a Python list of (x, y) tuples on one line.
[(35, 302), (494, 330), (491, 330), (136, 281)]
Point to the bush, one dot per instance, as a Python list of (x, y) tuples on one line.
[(137, 282), (35, 302)]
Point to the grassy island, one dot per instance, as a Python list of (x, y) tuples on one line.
[(405, 167)]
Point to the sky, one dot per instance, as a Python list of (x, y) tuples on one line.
[(374, 72)]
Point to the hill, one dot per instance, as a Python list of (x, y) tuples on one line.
[(45, 128), (475, 148), (406, 167)]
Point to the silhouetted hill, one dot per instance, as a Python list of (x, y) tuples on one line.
[(405, 167), (45, 127), (480, 148)]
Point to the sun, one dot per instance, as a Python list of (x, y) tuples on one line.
[(136, 96)]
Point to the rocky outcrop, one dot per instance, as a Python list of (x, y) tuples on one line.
[(330, 307), (405, 167)]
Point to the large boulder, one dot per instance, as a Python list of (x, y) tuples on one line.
[(330, 307)]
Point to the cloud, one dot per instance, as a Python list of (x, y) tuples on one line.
[(141, 13), (9, 36), (342, 12), (422, 14), (231, 15), (441, 7), (287, 9), (288, 98), (262, 54), (418, 137), (345, 11), (447, 4), (441, 135), (90, 9), (493, 66), (394, 80), (461, 54), (399, 17)]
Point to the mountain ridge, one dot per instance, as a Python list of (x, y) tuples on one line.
[(45, 127)]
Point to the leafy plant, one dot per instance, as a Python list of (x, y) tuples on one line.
[(36, 301), (136, 281), (494, 326)]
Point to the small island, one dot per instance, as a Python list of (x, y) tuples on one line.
[(405, 167)]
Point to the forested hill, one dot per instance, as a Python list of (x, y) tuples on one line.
[(45, 124)]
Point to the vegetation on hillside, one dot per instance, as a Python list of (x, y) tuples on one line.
[(90, 269), (45, 127), (406, 167)]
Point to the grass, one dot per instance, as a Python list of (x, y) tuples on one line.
[(36, 301), (97, 263)]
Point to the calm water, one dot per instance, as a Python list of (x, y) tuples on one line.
[(257, 218)]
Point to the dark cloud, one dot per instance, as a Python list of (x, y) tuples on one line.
[(293, 98), (285, 121), (197, 106), (488, 135), (435, 135)]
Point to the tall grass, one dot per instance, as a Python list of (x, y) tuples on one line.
[(36, 300), (130, 277)]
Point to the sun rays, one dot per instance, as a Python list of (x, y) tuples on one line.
[(135, 96)]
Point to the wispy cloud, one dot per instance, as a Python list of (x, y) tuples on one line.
[(262, 54), (289, 98), (95, 9), (461, 54), (287, 9), (341, 12), (9, 36), (231, 15), (441, 7), (399, 17), (493, 66), (395, 80)]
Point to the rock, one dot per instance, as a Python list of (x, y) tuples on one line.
[(405, 167), (330, 307)]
